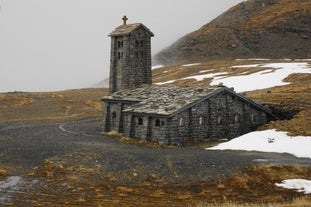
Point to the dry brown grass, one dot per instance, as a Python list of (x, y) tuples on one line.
[(51, 106), (253, 187), (3, 172), (278, 13)]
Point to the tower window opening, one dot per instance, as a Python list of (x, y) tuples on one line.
[(140, 121), (157, 122), (114, 115)]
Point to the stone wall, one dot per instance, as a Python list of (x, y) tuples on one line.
[(130, 60), (114, 119), (221, 116)]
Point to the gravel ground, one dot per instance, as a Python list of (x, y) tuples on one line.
[(26, 147), (51, 165)]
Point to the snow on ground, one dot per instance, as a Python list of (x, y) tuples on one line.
[(300, 185), (263, 79), (166, 82), (157, 66), (193, 64), (271, 75), (269, 141)]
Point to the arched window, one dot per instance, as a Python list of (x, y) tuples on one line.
[(114, 115), (119, 43), (219, 120), (157, 123), (140, 121), (253, 118), (200, 120), (236, 118), (181, 122)]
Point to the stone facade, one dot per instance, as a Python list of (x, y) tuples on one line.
[(168, 114), (171, 115), (130, 58)]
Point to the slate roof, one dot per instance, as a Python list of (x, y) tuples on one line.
[(127, 29), (160, 99), (168, 100)]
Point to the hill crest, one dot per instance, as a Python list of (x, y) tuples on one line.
[(251, 29)]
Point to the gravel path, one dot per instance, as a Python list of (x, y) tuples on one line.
[(28, 146)]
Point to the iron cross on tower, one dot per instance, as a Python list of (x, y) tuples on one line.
[(124, 20)]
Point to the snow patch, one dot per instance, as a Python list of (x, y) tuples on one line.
[(300, 185), (269, 141), (157, 66), (193, 64), (166, 82), (9, 185), (261, 80)]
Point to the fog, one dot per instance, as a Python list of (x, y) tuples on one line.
[(48, 45)]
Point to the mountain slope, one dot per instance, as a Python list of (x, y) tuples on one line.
[(251, 29)]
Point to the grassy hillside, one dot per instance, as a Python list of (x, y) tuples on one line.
[(51, 106), (251, 29)]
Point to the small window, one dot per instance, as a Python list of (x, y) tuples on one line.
[(200, 120), (119, 55), (157, 123), (141, 54), (140, 121), (141, 43), (114, 115), (219, 120), (236, 118), (136, 54), (253, 118), (162, 123), (181, 122), (136, 43)]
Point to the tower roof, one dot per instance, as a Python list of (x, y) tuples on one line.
[(129, 28)]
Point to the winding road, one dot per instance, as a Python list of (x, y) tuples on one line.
[(28, 146)]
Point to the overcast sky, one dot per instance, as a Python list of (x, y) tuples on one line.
[(48, 45)]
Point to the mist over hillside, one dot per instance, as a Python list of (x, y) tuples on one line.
[(251, 29)]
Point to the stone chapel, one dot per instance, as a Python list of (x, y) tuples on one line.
[(169, 114)]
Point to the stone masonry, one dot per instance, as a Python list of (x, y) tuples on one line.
[(171, 115), (130, 58)]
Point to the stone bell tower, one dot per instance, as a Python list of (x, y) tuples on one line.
[(130, 57)]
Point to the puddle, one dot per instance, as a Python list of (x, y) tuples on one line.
[(8, 186)]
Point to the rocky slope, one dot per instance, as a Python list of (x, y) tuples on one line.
[(251, 29)]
